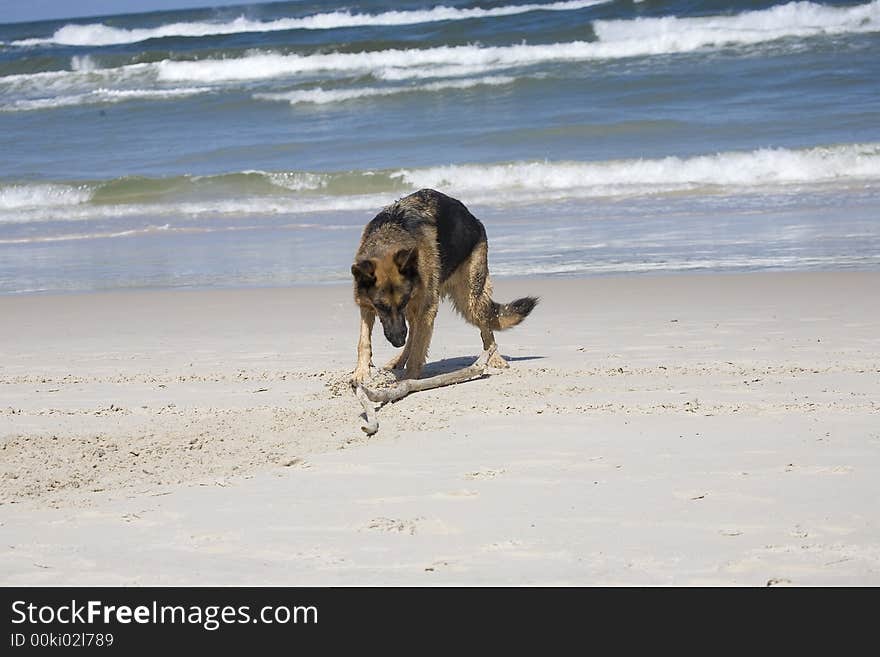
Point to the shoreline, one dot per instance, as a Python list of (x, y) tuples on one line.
[(651, 429), (649, 236), (544, 278)]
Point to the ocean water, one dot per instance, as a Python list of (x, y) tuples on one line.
[(249, 145)]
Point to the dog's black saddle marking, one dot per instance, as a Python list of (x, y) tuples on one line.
[(458, 232)]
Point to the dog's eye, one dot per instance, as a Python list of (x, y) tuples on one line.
[(382, 308)]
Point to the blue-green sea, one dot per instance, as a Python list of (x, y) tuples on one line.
[(248, 146)]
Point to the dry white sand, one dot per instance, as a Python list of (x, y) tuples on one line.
[(698, 429)]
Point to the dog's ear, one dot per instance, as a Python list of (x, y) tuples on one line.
[(407, 261), (364, 272)]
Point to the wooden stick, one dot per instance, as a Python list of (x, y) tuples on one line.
[(368, 396), (372, 425)]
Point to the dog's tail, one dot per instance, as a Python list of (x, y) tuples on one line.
[(510, 314)]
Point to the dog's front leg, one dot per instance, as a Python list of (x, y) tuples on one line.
[(365, 346), (400, 359), (421, 328)]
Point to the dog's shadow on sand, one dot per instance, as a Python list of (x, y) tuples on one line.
[(452, 364)]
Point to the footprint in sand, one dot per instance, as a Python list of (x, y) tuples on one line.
[(819, 469), (778, 581), (410, 526), (436, 566), (394, 525), (485, 473), (691, 495)]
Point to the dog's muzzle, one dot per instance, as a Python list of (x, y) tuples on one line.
[(395, 332)]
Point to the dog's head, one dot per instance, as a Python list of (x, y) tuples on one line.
[(388, 283)]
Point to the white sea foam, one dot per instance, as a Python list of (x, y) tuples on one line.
[(31, 196), (99, 34), (243, 207), (321, 96), (87, 83), (598, 266), (297, 181), (764, 169), (796, 19), (616, 39), (83, 63), (79, 79), (68, 237), (100, 96)]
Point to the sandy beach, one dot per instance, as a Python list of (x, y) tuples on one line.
[(651, 430)]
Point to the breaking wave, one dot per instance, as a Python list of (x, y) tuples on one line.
[(321, 96), (302, 192), (615, 39), (763, 168), (99, 34), (100, 96), (87, 81), (24, 197)]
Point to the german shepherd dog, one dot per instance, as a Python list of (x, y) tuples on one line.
[(423, 247)]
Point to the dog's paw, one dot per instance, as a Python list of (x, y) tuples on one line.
[(360, 376), (497, 361)]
